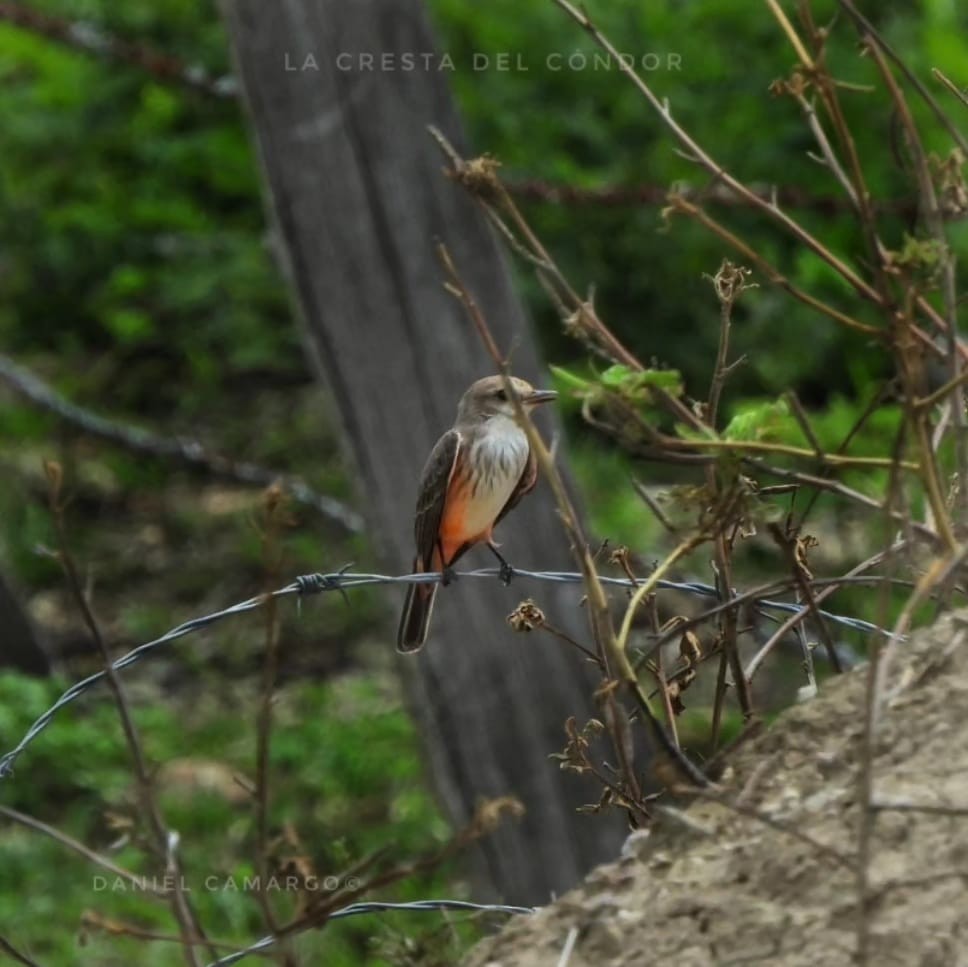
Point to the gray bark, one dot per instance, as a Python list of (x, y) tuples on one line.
[(358, 199)]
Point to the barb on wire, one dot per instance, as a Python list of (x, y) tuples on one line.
[(342, 580), (188, 452), (355, 909)]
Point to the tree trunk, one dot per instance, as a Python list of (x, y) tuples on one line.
[(359, 200)]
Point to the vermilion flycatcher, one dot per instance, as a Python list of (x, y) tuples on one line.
[(477, 471)]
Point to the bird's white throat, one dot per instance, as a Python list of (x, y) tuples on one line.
[(499, 456)]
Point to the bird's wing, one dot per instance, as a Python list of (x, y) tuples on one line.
[(529, 477), (434, 484)]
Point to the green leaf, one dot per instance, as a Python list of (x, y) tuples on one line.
[(635, 383), (760, 421), (616, 375), (566, 380)]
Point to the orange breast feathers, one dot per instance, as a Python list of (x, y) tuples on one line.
[(475, 499), (455, 525)]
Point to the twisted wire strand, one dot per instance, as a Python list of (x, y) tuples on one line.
[(186, 451), (355, 909), (343, 580)]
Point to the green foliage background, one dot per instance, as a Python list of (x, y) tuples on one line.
[(136, 274)]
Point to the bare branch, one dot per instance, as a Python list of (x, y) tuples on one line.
[(139, 882), (11, 951), (865, 26), (165, 840)]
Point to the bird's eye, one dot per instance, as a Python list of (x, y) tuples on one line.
[(501, 395)]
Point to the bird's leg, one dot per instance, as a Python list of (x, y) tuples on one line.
[(447, 573), (507, 572)]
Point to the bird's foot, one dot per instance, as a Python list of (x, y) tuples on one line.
[(506, 572), (448, 576)]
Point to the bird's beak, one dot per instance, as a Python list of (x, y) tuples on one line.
[(541, 396)]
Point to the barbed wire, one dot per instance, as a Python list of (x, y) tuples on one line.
[(91, 38), (344, 580), (188, 452), (355, 909)]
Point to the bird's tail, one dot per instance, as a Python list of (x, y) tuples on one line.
[(415, 620)]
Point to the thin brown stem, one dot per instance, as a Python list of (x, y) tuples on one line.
[(273, 511), (926, 402), (729, 283), (76, 846), (950, 85), (869, 409), (92, 920), (653, 505), (571, 642), (794, 619), (678, 203), (163, 839), (934, 222), (729, 637), (611, 647), (719, 698), (662, 682), (760, 446), (835, 487), (696, 152), (789, 543), (800, 415), (480, 179), (854, 183), (865, 26), (11, 951)]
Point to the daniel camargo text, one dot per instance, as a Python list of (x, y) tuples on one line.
[(221, 883)]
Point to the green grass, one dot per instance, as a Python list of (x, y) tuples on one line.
[(346, 781)]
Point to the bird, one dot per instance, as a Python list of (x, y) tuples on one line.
[(477, 471)]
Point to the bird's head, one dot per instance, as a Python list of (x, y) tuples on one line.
[(489, 397)]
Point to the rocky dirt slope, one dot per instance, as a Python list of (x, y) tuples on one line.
[(717, 887)]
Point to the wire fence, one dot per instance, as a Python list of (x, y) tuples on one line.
[(344, 580), (355, 909), (190, 453)]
